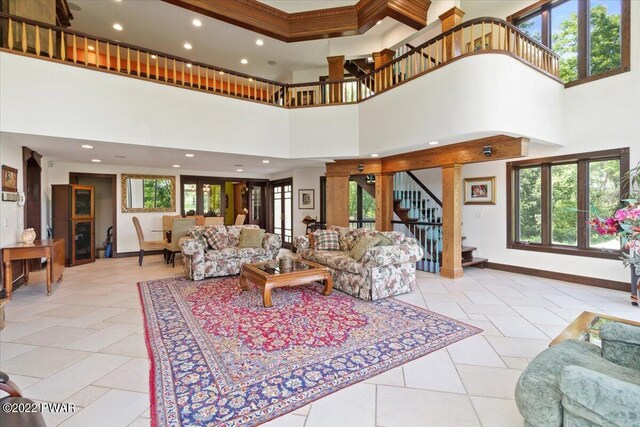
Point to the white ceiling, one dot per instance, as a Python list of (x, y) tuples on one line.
[(164, 27), (70, 150)]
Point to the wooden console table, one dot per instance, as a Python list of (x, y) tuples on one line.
[(52, 250)]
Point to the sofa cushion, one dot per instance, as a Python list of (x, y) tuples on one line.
[(250, 238), (197, 232), (326, 240), (362, 245), (337, 260), (225, 253), (234, 232), (216, 236), (248, 253), (347, 237)]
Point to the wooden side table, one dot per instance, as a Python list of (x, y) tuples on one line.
[(52, 250)]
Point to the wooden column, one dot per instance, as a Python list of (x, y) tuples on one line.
[(336, 72), (379, 59), (338, 200), (452, 221), (384, 202), (450, 19)]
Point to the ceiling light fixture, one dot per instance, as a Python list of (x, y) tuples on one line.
[(239, 170), (434, 143), (96, 160), (117, 27), (266, 161), (244, 61), (189, 155), (379, 22), (91, 48), (250, 79), (259, 42), (86, 146), (188, 46), (176, 166), (197, 23), (188, 65), (374, 155), (221, 72), (153, 57)]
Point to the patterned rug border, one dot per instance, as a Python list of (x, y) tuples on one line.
[(472, 331)]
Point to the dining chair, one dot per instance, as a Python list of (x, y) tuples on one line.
[(167, 220), (146, 245), (199, 219), (240, 219), (214, 220), (179, 229)]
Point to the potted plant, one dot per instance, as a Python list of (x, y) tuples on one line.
[(625, 223)]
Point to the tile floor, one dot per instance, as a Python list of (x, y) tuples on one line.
[(84, 344)]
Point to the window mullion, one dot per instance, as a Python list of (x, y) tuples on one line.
[(583, 203), (546, 204), (546, 27), (583, 38)]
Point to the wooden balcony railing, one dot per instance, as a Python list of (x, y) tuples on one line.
[(482, 35)]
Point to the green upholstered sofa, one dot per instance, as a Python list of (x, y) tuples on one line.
[(578, 384)]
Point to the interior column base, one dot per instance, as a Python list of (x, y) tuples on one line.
[(451, 273)]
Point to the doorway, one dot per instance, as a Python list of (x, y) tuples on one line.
[(105, 186), (33, 197), (282, 202)]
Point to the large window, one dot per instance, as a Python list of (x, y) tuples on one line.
[(550, 201), (590, 36)]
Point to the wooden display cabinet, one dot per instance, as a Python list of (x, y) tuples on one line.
[(74, 221)]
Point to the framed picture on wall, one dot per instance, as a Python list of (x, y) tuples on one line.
[(9, 179), (306, 199), (480, 191)]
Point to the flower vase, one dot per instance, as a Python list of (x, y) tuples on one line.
[(28, 236)]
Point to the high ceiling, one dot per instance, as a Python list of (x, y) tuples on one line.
[(161, 26)]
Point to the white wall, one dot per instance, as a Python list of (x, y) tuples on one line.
[(432, 179), (11, 215), (324, 131)]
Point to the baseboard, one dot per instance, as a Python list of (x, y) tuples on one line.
[(137, 253), (573, 278)]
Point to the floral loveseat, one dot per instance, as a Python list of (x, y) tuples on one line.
[(383, 271), (201, 261)]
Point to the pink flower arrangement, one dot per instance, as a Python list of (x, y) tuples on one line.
[(625, 223)]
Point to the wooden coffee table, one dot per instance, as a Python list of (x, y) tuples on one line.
[(268, 276), (586, 327)]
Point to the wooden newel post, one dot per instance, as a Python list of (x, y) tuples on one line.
[(379, 59), (338, 200), (452, 44), (384, 202), (452, 221), (336, 72)]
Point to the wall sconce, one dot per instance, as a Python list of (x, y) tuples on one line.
[(361, 167), (487, 150)]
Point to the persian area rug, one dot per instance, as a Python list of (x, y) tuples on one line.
[(219, 358)]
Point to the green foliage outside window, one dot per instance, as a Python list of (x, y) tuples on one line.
[(530, 218), (564, 204), (368, 203), (156, 193)]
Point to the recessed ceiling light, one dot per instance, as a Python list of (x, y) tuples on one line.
[(259, 42), (188, 65), (221, 72), (120, 157), (374, 155), (197, 23), (189, 155), (379, 22), (244, 61), (370, 59), (239, 170), (188, 46), (153, 57), (265, 161), (176, 166), (86, 146), (91, 48), (96, 160), (434, 143), (250, 79), (117, 27)]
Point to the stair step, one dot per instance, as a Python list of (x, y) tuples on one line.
[(468, 249), (475, 262)]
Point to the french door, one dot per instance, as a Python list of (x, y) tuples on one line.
[(282, 202), (203, 196)]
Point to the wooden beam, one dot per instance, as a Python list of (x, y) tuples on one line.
[(313, 24), (384, 202), (452, 222), (338, 197), (350, 167)]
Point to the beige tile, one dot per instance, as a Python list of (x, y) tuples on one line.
[(518, 347), (68, 311), (129, 316), (132, 376), (133, 346), (489, 382), (96, 316), (354, 406), (288, 420), (114, 408), (87, 395), (104, 337), (515, 362), (475, 351), (449, 309), (515, 327), (393, 376), (23, 381), (303, 411), (43, 361), (14, 331), (487, 309), (140, 422), (540, 315), (434, 371), (497, 412), (401, 407), (9, 350), (55, 336)]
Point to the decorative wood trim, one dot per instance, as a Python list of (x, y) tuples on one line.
[(313, 24), (572, 278)]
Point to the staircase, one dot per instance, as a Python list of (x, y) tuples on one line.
[(419, 214)]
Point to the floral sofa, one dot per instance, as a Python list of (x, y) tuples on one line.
[(201, 262), (382, 272)]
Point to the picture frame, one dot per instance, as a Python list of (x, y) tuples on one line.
[(9, 179), (480, 191), (306, 199)]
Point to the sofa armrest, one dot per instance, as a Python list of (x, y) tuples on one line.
[(301, 243), (190, 246), (271, 242), (596, 396), (395, 254), (621, 344)]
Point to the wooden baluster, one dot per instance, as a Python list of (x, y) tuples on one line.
[(75, 49), (24, 37), (174, 72), (157, 68), (10, 34), (98, 53), (191, 76), (63, 48), (128, 60), (51, 43), (108, 57), (206, 78), (118, 61), (86, 51), (148, 65), (37, 40), (182, 69), (166, 68)]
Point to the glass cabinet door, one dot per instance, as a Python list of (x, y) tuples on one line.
[(82, 241), (82, 202)]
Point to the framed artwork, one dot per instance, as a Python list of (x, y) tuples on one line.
[(306, 199), (480, 191), (9, 179)]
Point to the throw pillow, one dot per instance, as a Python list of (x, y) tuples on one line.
[(384, 240), (326, 240), (216, 239), (362, 245), (251, 238)]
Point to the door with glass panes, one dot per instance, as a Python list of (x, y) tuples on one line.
[(203, 197), (282, 202)]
